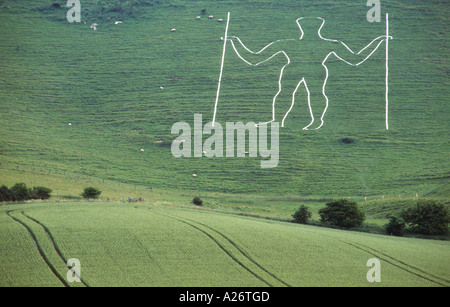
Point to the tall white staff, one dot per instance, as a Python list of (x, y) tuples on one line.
[(387, 71), (221, 68)]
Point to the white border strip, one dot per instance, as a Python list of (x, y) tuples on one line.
[(387, 71), (221, 68)]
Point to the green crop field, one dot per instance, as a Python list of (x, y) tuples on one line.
[(82, 107), (142, 245)]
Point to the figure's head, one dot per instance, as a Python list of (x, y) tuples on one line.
[(312, 24)]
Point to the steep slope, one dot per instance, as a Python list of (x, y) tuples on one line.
[(122, 87)]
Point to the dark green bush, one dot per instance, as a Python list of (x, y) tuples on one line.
[(197, 201), (91, 193), (342, 213), (6, 194), (20, 192), (347, 140), (427, 217), (396, 226), (302, 215), (40, 193)]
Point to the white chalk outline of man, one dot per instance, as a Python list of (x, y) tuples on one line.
[(379, 39)]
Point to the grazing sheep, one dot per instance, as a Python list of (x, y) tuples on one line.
[(220, 20), (194, 175), (118, 22), (161, 87), (211, 17), (70, 124), (173, 30), (198, 18), (142, 149)]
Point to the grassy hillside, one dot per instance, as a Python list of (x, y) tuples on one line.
[(153, 245), (107, 84), (82, 107)]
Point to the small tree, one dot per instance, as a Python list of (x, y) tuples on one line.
[(342, 213), (20, 192), (302, 215), (427, 217), (91, 192), (396, 226), (197, 201), (6, 194), (40, 193)]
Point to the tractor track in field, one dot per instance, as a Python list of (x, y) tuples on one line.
[(401, 264), (241, 252), (244, 253), (55, 245), (39, 248)]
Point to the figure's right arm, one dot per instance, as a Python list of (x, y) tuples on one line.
[(257, 57)]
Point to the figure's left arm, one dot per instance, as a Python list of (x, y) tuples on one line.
[(352, 58)]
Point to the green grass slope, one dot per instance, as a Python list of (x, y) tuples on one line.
[(107, 84), (153, 245)]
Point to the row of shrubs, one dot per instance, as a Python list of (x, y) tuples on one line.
[(427, 217), (20, 192)]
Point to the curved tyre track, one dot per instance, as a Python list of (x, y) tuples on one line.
[(234, 252), (245, 254), (401, 265), (55, 246), (39, 248)]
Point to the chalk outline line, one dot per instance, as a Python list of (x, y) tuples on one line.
[(221, 68), (303, 79)]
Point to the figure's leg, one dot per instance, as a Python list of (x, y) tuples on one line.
[(284, 99), (292, 92), (317, 102)]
